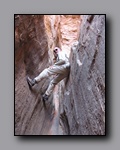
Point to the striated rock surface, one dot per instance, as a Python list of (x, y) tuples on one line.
[(31, 57), (82, 98), (69, 30), (35, 38), (62, 31)]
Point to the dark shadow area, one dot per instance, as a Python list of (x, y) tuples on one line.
[(108, 77), (57, 138)]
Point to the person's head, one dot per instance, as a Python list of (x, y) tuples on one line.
[(56, 50)]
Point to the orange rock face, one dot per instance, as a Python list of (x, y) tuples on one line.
[(62, 30), (69, 30)]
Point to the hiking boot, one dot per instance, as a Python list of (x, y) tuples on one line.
[(45, 97), (31, 82)]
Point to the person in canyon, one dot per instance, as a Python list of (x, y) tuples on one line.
[(59, 70)]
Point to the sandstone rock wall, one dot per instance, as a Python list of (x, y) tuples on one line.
[(52, 29), (31, 57), (35, 38), (69, 30), (83, 102), (62, 31)]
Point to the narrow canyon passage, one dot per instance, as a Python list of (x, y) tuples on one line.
[(64, 28), (77, 104)]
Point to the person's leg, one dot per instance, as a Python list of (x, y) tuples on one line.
[(55, 81), (48, 72), (31, 82), (61, 72), (52, 84), (44, 74), (55, 69)]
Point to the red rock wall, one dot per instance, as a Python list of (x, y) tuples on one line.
[(31, 57), (69, 30), (62, 31)]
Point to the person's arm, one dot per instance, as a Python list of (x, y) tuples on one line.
[(54, 60), (57, 58), (60, 62)]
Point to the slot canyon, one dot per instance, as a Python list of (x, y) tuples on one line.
[(77, 104)]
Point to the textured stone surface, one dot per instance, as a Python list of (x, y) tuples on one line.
[(34, 36), (31, 57), (83, 101), (69, 30), (62, 31)]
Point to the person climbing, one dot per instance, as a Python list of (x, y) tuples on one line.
[(59, 70)]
